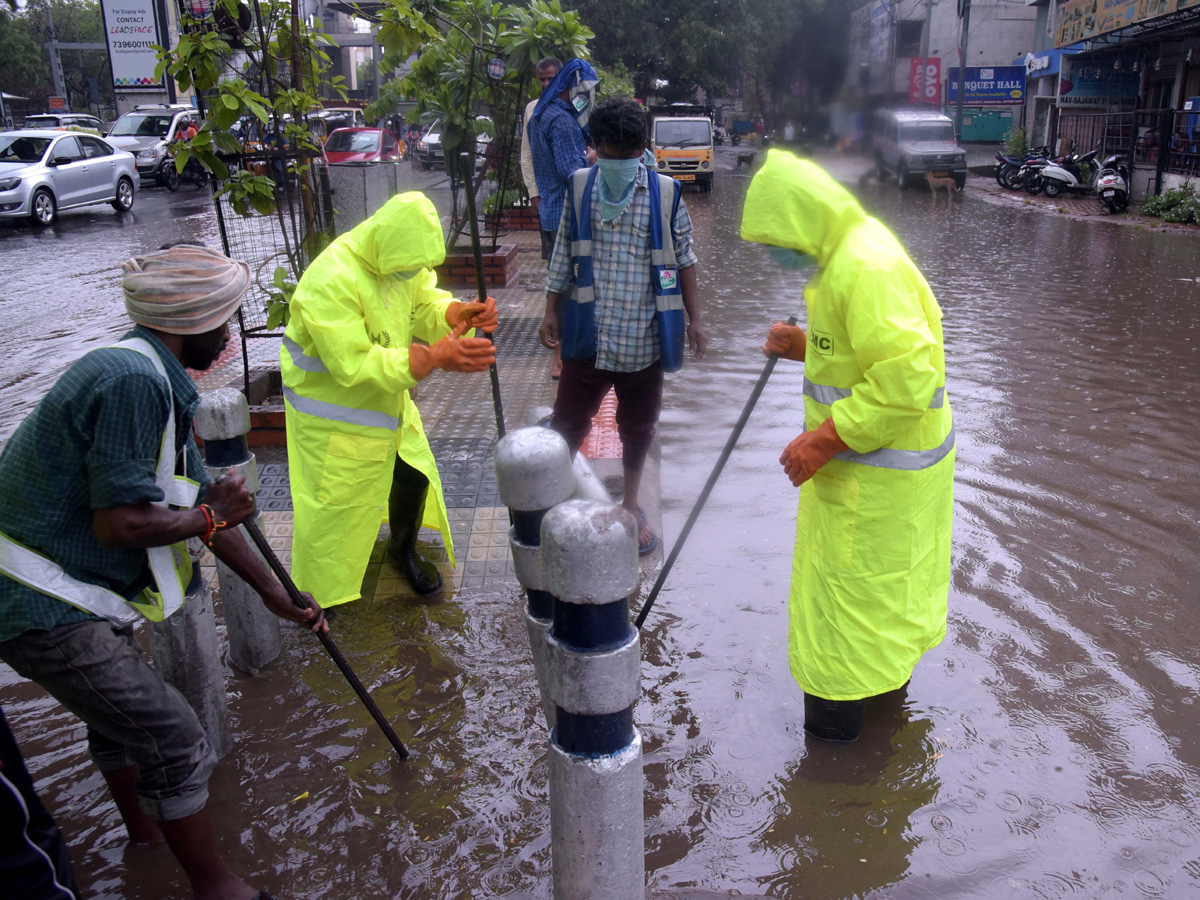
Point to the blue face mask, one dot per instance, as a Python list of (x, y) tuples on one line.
[(617, 180), (791, 259)]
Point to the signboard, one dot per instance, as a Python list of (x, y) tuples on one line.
[(1079, 20), (1086, 84), (131, 29), (988, 85), (56, 104), (925, 80)]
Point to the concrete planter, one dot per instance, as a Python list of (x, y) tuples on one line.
[(499, 268), (518, 218)]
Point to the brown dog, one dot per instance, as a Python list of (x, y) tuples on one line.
[(936, 184)]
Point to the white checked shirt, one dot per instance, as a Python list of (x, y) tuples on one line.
[(626, 327)]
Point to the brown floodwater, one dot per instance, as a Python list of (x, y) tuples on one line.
[(1048, 748)]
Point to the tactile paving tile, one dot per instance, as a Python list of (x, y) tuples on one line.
[(274, 492), (517, 336)]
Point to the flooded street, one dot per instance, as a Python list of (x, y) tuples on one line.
[(1049, 748)]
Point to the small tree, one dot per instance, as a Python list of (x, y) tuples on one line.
[(1016, 143), (262, 66), (450, 79)]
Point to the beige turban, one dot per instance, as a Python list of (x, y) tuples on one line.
[(183, 290)]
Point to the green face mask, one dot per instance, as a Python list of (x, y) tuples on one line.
[(791, 259)]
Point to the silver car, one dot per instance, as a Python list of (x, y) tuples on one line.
[(42, 172)]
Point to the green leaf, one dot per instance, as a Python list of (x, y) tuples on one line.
[(230, 101)]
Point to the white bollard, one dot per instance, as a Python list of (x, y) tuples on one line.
[(533, 473), (222, 421), (184, 650), (593, 658), (587, 485)]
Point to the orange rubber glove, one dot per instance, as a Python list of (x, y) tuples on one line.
[(787, 341), (473, 315), (453, 353), (811, 450)]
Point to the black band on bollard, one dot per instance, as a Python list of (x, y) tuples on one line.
[(541, 604), (592, 735), (231, 452), (527, 526), (592, 628)]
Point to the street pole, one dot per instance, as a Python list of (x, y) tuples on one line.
[(964, 12), (925, 52)]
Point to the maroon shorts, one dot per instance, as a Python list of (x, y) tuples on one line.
[(581, 389)]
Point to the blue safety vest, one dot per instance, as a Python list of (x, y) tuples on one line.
[(579, 326)]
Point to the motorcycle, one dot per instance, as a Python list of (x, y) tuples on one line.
[(1072, 174), (718, 137), (1008, 168), (735, 139), (192, 171), (1112, 184)]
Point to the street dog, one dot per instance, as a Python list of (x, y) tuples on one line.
[(936, 184), (746, 158)]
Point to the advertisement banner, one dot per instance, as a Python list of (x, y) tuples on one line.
[(131, 29), (925, 81), (1079, 20), (988, 85), (1091, 85)]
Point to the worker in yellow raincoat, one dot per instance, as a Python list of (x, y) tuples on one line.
[(875, 464), (354, 435)]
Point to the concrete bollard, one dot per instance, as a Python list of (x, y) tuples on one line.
[(222, 421), (587, 485), (593, 658), (184, 649), (533, 473)]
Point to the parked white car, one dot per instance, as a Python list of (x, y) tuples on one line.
[(44, 172)]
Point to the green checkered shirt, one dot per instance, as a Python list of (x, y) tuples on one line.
[(91, 443)]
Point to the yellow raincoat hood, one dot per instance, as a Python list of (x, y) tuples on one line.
[(793, 203), (404, 235)]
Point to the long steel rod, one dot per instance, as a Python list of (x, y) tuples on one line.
[(285, 579), (708, 485)]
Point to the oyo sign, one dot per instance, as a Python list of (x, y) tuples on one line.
[(925, 80)]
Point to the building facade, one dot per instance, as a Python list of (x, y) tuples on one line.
[(902, 53)]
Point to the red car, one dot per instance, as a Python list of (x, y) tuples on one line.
[(363, 145)]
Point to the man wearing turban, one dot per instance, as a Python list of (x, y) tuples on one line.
[(100, 488)]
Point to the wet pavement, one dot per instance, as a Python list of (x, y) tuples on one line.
[(1048, 748)]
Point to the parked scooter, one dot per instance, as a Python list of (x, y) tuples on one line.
[(1078, 174), (735, 138), (1112, 184), (718, 137)]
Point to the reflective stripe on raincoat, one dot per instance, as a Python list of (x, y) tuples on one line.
[(346, 380), (871, 571)]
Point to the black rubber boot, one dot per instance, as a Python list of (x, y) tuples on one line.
[(406, 508), (833, 720)]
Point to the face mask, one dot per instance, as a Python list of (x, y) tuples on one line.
[(791, 259), (618, 174)]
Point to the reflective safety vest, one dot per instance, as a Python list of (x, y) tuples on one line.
[(579, 325), (171, 565)]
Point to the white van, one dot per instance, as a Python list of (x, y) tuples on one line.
[(909, 143)]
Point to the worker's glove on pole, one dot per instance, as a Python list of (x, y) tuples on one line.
[(787, 341), (452, 353), (811, 450), (473, 315)]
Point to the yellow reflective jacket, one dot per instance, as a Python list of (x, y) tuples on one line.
[(346, 384), (871, 571)]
